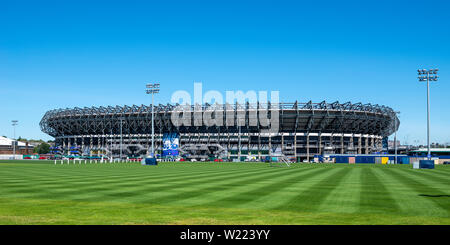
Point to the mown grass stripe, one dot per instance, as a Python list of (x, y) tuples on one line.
[(310, 199), (79, 171), (346, 196), (409, 202), (154, 187), (421, 189), (210, 193), (274, 185), (143, 186), (428, 175), (375, 197), (63, 181), (226, 186), (179, 193), (441, 170)]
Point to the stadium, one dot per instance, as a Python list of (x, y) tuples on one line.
[(305, 130), (228, 192), (201, 117)]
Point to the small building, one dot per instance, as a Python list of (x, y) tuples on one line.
[(435, 152), (7, 147)]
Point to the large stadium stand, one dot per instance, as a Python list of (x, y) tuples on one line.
[(305, 129)]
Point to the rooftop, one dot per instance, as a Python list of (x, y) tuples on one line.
[(432, 150), (7, 142)]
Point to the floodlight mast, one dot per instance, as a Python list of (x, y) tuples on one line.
[(14, 124), (395, 137), (428, 75), (239, 147), (152, 88), (121, 136)]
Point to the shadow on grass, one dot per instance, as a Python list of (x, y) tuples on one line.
[(426, 195)]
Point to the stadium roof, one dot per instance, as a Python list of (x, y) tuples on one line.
[(8, 142), (307, 117), (432, 150)]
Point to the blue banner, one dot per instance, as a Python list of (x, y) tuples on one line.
[(171, 141)]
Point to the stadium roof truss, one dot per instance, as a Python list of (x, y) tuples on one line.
[(294, 117)]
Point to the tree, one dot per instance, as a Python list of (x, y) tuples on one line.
[(42, 148), (22, 139)]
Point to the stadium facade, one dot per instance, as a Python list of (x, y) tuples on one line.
[(304, 130)]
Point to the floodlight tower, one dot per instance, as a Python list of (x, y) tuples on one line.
[(14, 124), (395, 137), (152, 88), (121, 136), (239, 145), (428, 75)]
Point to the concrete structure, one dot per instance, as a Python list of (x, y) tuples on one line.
[(305, 129), (22, 148), (435, 152)]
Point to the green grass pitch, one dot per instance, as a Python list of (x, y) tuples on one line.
[(39, 192)]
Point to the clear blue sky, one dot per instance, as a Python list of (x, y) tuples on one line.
[(81, 53)]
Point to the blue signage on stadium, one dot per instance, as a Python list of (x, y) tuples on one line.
[(170, 144)]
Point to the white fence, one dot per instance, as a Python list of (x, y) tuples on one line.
[(11, 157)]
